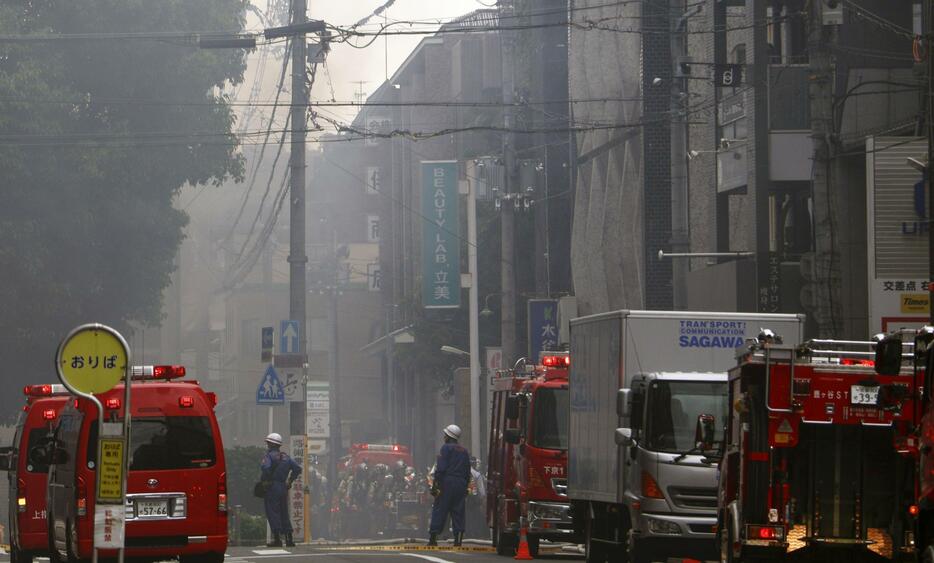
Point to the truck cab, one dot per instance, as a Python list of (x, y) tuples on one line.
[(671, 495), (527, 471)]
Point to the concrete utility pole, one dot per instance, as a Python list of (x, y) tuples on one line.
[(297, 258), (507, 218), (826, 274)]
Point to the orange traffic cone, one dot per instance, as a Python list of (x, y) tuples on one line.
[(523, 553)]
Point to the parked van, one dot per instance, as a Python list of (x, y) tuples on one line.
[(177, 485), (28, 528)]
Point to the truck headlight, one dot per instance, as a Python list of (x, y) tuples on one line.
[(663, 527), (541, 511)]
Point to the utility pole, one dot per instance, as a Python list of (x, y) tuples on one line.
[(826, 258), (507, 218), (297, 258)]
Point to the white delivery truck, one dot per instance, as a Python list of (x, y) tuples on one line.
[(648, 407)]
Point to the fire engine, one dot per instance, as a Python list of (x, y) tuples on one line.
[(527, 470), (820, 451)]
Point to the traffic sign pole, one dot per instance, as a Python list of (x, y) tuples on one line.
[(99, 356)]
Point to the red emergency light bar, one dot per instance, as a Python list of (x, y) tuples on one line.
[(157, 372), (556, 361), (44, 390)]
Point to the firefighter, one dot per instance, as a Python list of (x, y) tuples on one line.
[(449, 487), (280, 470)]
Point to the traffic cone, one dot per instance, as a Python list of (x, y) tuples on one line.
[(523, 553)]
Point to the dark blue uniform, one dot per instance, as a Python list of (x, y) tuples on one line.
[(277, 467), (452, 475)]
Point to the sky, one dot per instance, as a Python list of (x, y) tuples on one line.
[(347, 66)]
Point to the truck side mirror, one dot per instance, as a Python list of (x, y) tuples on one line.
[(512, 407), (624, 403), (704, 431), (889, 356), (6, 458), (511, 435), (623, 437)]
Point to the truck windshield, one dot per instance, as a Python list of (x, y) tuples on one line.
[(672, 413), (550, 419)]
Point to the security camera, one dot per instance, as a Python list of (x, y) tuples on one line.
[(724, 143), (656, 81)]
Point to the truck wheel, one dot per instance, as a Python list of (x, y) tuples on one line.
[(505, 543), (726, 545), (19, 556), (534, 542)]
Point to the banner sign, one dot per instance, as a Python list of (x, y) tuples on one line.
[(543, 326), (441, 287)]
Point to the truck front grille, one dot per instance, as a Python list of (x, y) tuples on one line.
[(694, 497)]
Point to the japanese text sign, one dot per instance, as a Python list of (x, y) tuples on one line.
[(441, 287), (92, 359), (110, 471), (543, 326)]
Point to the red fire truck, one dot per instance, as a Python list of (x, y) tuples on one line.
[(527, 469), (820, 452)]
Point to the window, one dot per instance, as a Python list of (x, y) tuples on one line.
[(550, 419), (170, 442), (673, 410)]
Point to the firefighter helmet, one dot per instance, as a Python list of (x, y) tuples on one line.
[(452, 431), (274, 438)]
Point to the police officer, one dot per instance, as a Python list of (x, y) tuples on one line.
[(452, 475), (279, 470)]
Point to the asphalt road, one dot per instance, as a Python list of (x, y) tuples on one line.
[(399, 553)]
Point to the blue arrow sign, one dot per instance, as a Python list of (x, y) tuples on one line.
[(288, 337), (270, 390)]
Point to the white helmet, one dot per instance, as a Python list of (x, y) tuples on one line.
[(452, 431), (274, 438)]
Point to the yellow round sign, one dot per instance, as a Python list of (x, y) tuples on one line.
[(92, 359)]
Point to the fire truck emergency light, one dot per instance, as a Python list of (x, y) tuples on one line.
[(157, 372), (556, 361), (45, 390)]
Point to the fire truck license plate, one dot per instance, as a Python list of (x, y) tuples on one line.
[(864, 395), (152, 508)]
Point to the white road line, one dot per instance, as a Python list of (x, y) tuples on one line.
[(270, 552), (427, 557)]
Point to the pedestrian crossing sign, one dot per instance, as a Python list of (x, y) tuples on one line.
[(270, 390)]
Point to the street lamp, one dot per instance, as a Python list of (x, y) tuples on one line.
[(455, 351), (486, 311)]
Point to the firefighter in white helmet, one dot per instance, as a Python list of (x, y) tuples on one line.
[(278, 470), (452, 475)]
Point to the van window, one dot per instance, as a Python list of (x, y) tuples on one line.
[(167, 442), (37, 437)]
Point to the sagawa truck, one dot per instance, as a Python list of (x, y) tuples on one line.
[(648, 403)]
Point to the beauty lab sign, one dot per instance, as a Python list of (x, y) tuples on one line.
[(441, 288)]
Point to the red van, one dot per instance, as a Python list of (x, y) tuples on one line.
[(177, 484), (29, 536)]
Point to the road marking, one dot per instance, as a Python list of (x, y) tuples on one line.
[(427, 558), (270, 552)]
